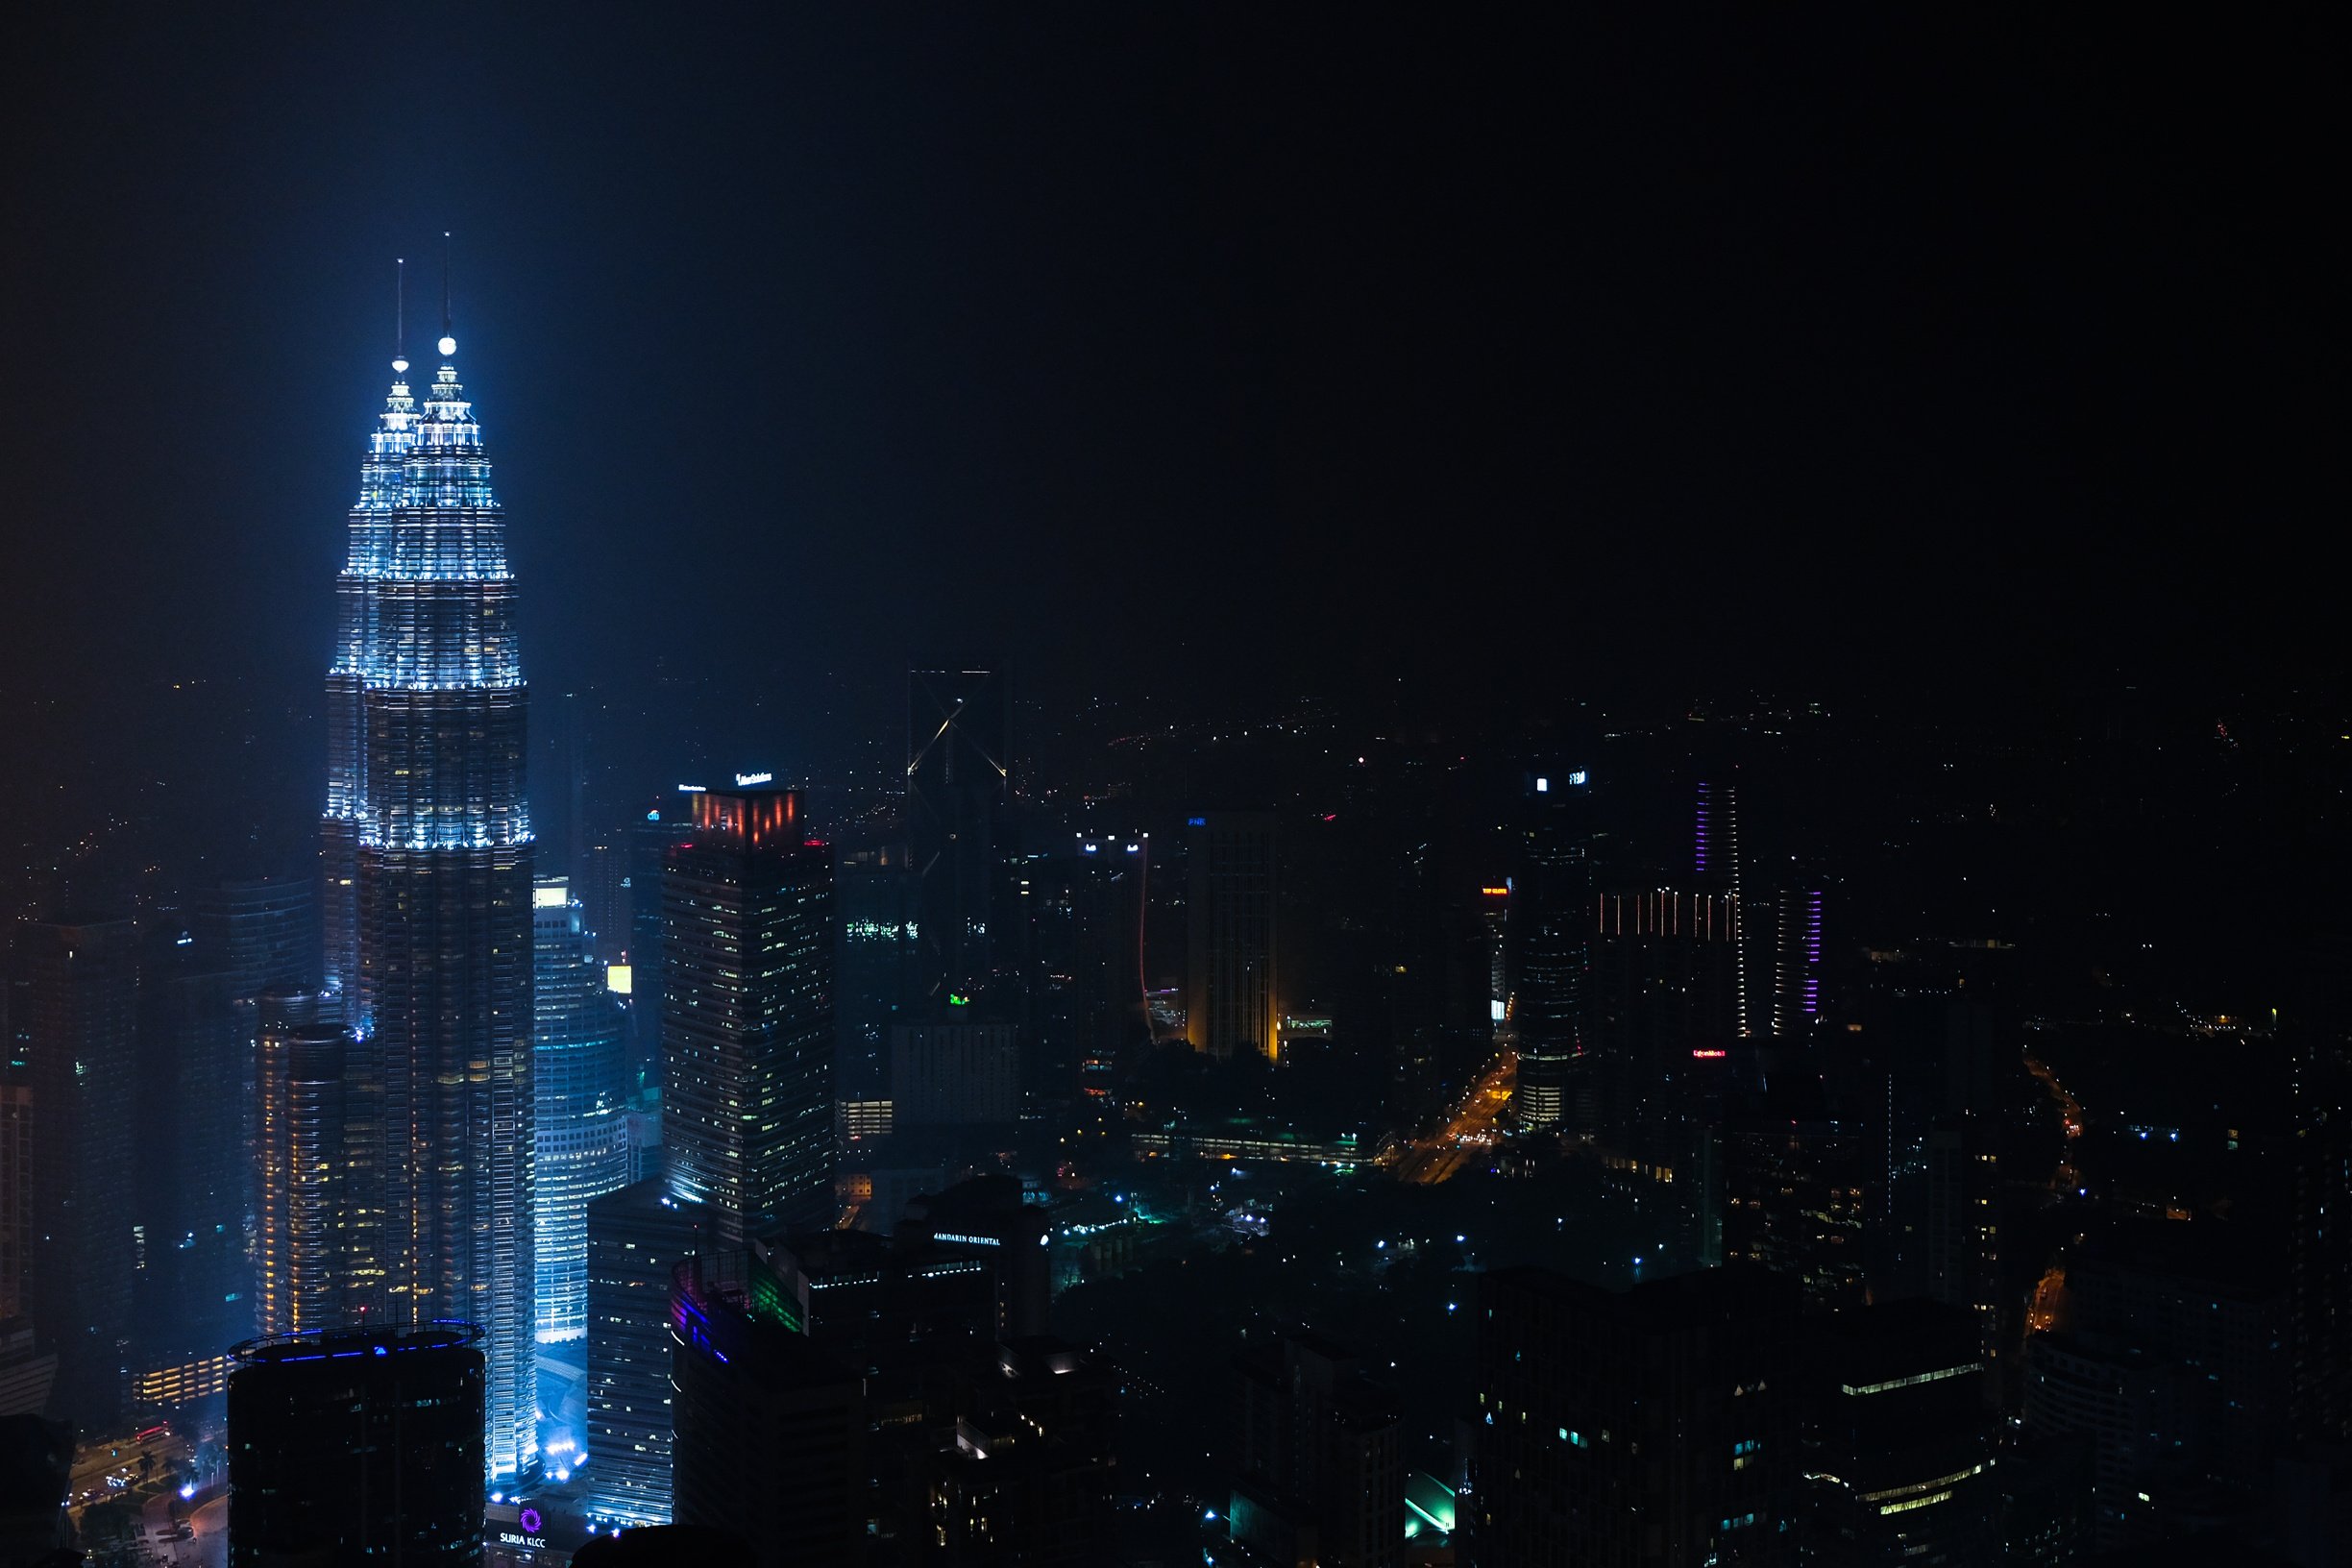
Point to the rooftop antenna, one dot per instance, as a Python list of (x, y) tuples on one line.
[(449, 343), (400, 313)]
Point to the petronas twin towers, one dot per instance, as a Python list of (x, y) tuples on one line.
[(428, 865)]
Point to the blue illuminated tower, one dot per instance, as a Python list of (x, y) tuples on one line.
[(428, 871), (580, 1071)]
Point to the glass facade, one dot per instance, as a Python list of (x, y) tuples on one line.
[(579, 1072), (427, 892)]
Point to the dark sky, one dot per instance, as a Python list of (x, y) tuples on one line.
[(1215, 350)]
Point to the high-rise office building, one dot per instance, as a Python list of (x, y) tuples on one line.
[(428, 881), (1717, 863), (1086, 907), (1898, 1442), (2211, 1305), (954, 1074), (1963, 1227), (579, 1081), (1799, 1189), (636, 1238), (1796, 955), (1231, 999), (747, 1015), (649, 845), (600, 882), (1654, 1425), (874, 892), (300, 1270), (959, 771), (1664, 1010), (763, 1413), (2119, 1403), (362, 1445), (1552, 928), (75, 1009), (194, 1171)]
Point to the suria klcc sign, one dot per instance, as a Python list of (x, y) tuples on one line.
[(529, 1535)]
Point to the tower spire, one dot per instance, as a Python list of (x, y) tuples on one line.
[(449, 342), (400, 313)]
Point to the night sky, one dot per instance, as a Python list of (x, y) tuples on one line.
[(1219, 351)]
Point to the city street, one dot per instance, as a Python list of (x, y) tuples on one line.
[(208, 1545), (1428, 1161)]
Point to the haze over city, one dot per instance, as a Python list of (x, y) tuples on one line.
[(1117, 787)]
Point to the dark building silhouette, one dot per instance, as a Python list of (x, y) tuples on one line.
[(2210, 1307), (2319, 1244), (748, 1018), (28, 1373), (1964, 1228), (663, 1546), (766, 1420), (17, 1133), (1657, 1425), (2119, 1405), (36, 1470), (874, 892), (958, 761), (954, 1074), (649, 842), (263, 931), (1664, 1008), (1898, 1456), (1086, 907), (75, 1010), (1552, 935), (1798, 1196), (1029, 1479), (358, 1446), (1321, 1469), (985, 1219), (194, 1172), (1231, 994), (636, 1238)]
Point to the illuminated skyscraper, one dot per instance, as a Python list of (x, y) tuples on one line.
[(747, 1015), (1552, 930), (581, 1082), (299, 1263), (1797, 954), (1230, 995), (1716, 861), (428, 871)]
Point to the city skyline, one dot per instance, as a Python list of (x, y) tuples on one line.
[(1229, 786)]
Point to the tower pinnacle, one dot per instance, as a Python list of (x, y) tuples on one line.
[(449, 343)]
